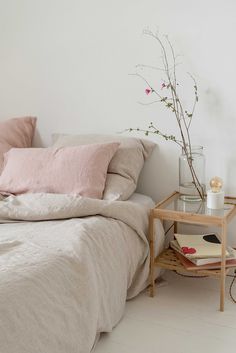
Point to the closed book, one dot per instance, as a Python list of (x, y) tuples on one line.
[(212, 266), (206, 260), (200, 245)]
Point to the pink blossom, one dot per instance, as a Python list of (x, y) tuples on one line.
[(148, 91)]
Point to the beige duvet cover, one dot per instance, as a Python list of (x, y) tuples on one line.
[(66, 269)]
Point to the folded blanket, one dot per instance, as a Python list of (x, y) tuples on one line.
[(38, 207)]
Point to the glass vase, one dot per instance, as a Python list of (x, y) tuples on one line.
[(192, 174)]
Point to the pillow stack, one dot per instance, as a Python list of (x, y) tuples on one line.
[(125, 166), (95, 166)]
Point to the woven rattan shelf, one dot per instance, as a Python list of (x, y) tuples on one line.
[(167, 259)]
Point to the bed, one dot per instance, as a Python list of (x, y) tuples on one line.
[(73, 237), (67, 269)]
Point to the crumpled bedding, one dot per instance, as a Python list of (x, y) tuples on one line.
[(67, 266)]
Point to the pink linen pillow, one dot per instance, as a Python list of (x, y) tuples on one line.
[(16, 132), (69, 170), (125, 166)]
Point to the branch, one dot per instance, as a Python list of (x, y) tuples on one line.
[(183, 117), (155, 132)]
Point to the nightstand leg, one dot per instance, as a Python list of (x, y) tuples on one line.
[(223, 272), (152, 255), (175, 227)]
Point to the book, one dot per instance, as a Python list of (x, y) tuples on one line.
[(211, 266), (200, 245), (203, 261)]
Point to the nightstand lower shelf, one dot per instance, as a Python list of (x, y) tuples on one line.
[(168, 260)]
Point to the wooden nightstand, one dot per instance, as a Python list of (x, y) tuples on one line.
[(176, 210)]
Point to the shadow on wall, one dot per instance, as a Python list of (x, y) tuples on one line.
[(37, 141), (159, 177), (213, 104), (230, 176)]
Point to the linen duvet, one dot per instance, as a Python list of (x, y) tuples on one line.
[(67, 266)]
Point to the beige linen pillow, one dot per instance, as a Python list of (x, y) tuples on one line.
[(125, 166)]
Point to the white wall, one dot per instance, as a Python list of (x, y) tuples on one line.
[(67, 62)]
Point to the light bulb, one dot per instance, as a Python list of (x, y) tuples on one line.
[(216, 184)]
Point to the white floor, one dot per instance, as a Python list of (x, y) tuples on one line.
[(183, 317)]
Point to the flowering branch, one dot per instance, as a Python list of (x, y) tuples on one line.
[(172, 101)]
